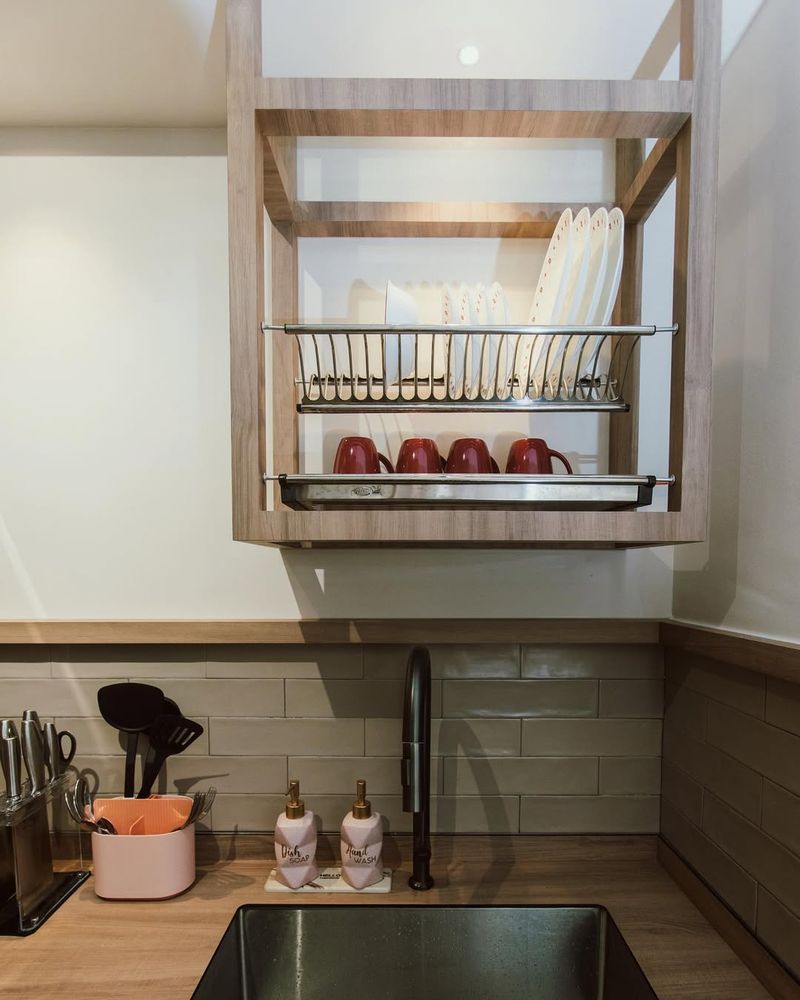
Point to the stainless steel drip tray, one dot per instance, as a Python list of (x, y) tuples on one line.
[(492, 492)]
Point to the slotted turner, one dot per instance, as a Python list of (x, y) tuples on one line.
[(169, 735)]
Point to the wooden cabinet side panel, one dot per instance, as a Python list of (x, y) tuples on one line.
[(623, 444), (695, 237), (246, 264), (285, 429)]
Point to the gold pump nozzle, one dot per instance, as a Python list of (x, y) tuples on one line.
[(295, 807), (362, 808)]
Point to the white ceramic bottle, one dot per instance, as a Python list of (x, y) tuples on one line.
[(362, 842), (295, 842)]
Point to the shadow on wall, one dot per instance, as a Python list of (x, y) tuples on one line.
[(390, 583), (756, 349)]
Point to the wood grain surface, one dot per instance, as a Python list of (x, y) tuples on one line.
[(766, 969), (322, 631), (98, 949), (440, 219), (765, 656), (458, 107)]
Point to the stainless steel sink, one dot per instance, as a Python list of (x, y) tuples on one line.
[(277, 952)]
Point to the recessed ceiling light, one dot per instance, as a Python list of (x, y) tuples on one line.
[(468, 55)]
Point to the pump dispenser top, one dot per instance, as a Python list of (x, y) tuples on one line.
[(362, 808), (295, 807)]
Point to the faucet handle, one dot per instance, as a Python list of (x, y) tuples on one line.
[(411, 775)]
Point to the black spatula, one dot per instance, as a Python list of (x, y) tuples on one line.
[(169, 735), (130, 708), (169, 707)]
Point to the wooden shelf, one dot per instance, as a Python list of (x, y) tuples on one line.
[(581, 109), (326, 631), (472, 529), (265, 117), (438, 219)]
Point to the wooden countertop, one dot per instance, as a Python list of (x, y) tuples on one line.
[(95, 949)]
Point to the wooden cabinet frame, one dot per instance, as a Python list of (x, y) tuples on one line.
[(265, 116)]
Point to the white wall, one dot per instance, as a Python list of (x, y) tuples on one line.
[(747, 577), (114, 426), (517, 38)]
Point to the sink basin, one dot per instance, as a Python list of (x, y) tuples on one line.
[(276, 952)]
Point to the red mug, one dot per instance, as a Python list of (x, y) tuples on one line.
[(420, 456), (357, 456), (533, 456), (470, 456)]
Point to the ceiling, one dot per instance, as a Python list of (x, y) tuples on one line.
[(78, 63)]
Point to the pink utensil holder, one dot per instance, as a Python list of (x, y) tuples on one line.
[(149, 866), (158, 814)]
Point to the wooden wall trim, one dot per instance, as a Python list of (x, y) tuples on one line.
[(312, 631), (765, 656), (779, 659), (743, 943)]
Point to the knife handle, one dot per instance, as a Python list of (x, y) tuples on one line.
[(33, 754), (10, 760)]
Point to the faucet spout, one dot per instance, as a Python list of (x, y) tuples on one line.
[(416, 762)]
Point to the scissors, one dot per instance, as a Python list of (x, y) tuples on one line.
[(56, 757)]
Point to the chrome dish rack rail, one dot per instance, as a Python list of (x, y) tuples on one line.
[(389, 369)]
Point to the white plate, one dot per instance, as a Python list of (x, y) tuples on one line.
[(548, 299), (401, 310), (578, 267), (504, 348), (551, 286), (598, 256), (483, 348), (455, 312), (616, 249), (595, 276), (575, 284)]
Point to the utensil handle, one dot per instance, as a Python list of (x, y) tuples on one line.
[(150, 775), (558, 455), (387, 464), (130, 763), (51, 750)]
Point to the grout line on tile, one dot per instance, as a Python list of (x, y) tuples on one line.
[(763, 695)]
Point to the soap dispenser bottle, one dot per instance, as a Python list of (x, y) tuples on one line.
[(362, 842), (295, 842)]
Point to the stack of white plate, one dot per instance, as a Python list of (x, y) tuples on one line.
[(577, 286)]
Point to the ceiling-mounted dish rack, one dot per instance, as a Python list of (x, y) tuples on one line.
[(269, 218), (386, 369)]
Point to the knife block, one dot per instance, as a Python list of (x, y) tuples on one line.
[(30, 888)]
